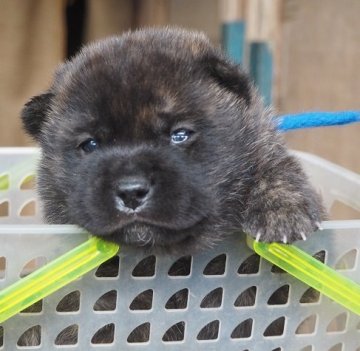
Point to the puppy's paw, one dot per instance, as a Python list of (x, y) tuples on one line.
[(286, 226), (285, 221)]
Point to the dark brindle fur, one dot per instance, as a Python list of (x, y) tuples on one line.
[(155, 139)]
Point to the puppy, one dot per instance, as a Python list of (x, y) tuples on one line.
[(155, 139)]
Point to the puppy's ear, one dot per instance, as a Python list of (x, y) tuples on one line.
[(35, 112), (229, 76)]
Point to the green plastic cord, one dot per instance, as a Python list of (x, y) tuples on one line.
[(54, 275), (311, 271)]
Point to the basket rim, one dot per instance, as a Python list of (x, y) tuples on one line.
[(31, 229), (19, 150), (40, 229)]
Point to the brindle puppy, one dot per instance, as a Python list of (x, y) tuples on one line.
[(155, 139)]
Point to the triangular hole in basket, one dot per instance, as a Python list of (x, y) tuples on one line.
[(33, 265), (280, 296), (213, 299), (2, 267), (250, 265), (246, 298), (175, 333), (216, 266), (142, 301), (320, 256), (34, 308), (33, 334), (4, 182), (338, 324), (181, 267), (140, 334), (28, 183), (145, 268), (69, 303), (105, 335), (243, 330), (307, 326), (210, 331), (5, 209), (337, 347), (109, 269), (68, 336), (275, 328), (106, 302), (310, 296), (347, 261), (28, 209), (178, 301)]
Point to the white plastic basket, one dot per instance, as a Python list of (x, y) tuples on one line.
[(320, 325)]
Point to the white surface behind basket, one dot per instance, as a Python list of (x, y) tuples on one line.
[(328, 326)]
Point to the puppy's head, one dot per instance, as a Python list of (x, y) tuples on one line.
[(138, 134)]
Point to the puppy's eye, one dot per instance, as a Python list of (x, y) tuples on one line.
[(89, 145), (180, 135)]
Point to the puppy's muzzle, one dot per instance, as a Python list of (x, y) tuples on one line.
[(132, 193)]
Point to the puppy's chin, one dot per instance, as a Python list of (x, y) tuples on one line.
[(158, 239)]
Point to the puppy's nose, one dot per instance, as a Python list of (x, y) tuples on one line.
[(133, 192)]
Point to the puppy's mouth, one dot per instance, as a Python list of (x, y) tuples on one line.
[(143, 234), (146, 227), (136, 219), (139, 227), (143, 216)]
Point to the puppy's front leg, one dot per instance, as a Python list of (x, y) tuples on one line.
[(281, 205)]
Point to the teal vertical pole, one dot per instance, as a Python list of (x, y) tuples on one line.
[(233, 40), (261, 69)]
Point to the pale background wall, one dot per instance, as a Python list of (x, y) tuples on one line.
[(320, 70), (31, 45)]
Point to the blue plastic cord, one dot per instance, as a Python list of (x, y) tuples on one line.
[(317, 119)]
